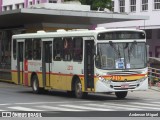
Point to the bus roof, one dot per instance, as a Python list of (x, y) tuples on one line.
[(64, 33)]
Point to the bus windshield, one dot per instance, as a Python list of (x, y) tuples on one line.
[(128, 55)]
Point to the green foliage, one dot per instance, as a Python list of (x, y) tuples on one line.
[(70, 0), (87, 2), (95, 4), (101, 4)]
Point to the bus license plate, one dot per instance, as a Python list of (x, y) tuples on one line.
[(125, 86)]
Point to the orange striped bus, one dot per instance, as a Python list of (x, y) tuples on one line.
[(81, 61)]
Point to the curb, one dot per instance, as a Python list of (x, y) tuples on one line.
[(155, 89), (7, 81)]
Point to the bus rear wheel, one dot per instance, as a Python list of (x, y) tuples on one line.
[(35, 85), (121, 95), (78, 90)]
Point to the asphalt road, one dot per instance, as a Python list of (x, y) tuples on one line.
[(20, 98)]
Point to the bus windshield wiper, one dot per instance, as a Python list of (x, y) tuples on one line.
[(131, 49), (113, 46)]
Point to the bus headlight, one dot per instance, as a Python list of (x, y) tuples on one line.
[(101, 79), (108, 82), (104, 80), (142, 79)]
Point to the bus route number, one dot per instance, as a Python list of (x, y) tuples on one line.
[(116, 78), (69, 67)]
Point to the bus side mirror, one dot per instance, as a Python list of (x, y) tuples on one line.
[(147, 48)]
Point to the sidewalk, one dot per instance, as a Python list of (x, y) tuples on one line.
[(154, 88), (7, 81)]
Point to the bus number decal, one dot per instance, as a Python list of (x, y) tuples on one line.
[(116, 78), (69, 67)]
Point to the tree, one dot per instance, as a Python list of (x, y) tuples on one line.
[(96, 4)]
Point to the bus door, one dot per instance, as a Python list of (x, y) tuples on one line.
[(89, 64), (20, 61), (47, 62)]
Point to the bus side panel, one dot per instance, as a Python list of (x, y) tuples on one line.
[(29, 79), (15, 77), (14, 71), (68, 82), (61, 81), (64, 82), (83, 83), (40, 78), (58, 78), (58, 81), (21, 78), (34, 66), (55, 81), (63, 72)]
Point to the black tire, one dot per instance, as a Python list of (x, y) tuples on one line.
[(35, 85), (70, 93), (78, 90), (121, 95)]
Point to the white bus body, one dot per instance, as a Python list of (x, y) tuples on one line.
[(81, 61)]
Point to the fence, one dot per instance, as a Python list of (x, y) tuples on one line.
[(154, 77)]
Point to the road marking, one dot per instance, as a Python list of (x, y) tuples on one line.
[(116, 107), (58, 108), (2, 110), (155, 102), (4, 104), (146, 104), (31, 103), (24, 108), (133, 106), (50, 102), (38, 103), (87, 108)]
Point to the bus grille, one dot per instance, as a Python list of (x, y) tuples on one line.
[(121, 88)]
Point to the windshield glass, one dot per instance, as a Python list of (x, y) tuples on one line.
[(121, 55)]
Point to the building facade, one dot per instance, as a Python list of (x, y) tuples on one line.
[(6, 5), (149, 8)]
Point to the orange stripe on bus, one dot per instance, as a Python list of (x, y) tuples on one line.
[(51, 73), (125, 75), (71, 74)]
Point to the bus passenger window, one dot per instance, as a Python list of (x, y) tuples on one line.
[(28, 49), (37, 49), (77, 49), (67, 49), (14, 49), (57, 49)]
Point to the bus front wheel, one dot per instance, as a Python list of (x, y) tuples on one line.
[(121, 95), (78, 90)]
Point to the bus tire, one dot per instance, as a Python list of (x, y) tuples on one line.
[(35, 85), (78, 90), (70, 93), (121, 95)]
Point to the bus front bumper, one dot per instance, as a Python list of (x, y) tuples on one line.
[(139, 85)]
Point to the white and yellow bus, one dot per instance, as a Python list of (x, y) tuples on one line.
[(81, 61)]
